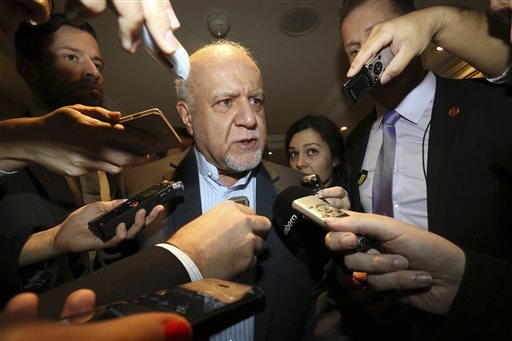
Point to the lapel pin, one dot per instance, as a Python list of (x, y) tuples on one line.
[(454, 111)]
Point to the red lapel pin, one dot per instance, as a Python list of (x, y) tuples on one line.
[(454, 111)]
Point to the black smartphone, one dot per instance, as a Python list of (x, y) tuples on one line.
[(368, 77), (210, 305), (105, 225)]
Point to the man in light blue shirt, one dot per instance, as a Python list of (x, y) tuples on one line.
[(221, 103)]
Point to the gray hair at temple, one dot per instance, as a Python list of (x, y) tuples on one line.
[(184, 86)]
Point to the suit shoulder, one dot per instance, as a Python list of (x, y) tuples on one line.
[(136, 179), (283, 173)]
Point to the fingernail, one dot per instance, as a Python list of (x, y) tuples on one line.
[(349, 241), (384, 79), (400, 263), (170, 40), (350, 72), (135, 45), (320, 193), (423, 279), (177, 330)]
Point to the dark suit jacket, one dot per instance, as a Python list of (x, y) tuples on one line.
[(284, 279), (31, 200), (469, 195)]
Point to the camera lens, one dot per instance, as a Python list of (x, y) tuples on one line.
[(378, 68)]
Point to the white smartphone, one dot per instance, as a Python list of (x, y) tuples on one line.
[(151, 121)]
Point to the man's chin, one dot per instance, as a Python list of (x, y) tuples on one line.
[(243, 163)]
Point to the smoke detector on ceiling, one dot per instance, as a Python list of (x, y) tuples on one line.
[(218, 24), (300, 21)]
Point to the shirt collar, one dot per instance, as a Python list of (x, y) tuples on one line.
[(415, 103), (207, 170), (417, 100)]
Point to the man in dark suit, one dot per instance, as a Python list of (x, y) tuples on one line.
[(62, 65), (453, 156), (221, 104)]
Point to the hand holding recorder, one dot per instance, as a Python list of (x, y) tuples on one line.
[(406, 258), (73, 235)]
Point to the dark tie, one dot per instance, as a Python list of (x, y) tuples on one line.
[(382, 193)]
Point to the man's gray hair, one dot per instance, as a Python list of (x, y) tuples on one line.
[(184, 86)]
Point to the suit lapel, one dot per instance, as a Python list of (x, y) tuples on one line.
[(267, 276), (190, 208), (447, 124)]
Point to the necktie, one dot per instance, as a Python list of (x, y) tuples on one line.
[(382, 193)]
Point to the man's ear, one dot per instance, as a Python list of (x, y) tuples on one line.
[(186, 116), (29, 71)]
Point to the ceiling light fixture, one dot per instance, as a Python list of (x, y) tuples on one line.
[(218, 24), (299, 21)]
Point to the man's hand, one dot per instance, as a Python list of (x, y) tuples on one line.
[(426, 268), (73, 234), (336, 196), (225, 241), (158, 15), (72, 140)]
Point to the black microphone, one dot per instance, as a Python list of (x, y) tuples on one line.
[(306, 237)]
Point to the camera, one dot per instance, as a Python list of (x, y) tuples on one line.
[(368, 77)]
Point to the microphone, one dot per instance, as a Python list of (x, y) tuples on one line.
[(306, 237)]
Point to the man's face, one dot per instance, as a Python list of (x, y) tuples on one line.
[(228, 120), (358, 25), (71, 69)]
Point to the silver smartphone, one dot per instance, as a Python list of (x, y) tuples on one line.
[(178, 62), (368, 77), (317, 210), (154, 122)]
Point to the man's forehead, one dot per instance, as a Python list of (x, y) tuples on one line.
[(70, 33)]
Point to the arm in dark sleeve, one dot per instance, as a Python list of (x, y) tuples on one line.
[(482, 308), (10, 281), (147, 271)]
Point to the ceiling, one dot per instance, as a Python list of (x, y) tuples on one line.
[(302, 74)]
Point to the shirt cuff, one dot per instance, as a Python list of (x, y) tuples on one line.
[(189, 265), (504, 78), (3, 173)]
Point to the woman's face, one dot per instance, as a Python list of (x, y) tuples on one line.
[(309, 153)]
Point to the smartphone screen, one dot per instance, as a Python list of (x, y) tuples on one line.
[(210, 305)]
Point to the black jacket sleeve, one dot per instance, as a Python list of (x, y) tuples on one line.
[(153, 269)]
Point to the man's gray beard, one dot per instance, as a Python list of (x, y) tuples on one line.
[(237, 165)]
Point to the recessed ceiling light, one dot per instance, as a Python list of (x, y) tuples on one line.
[(343, 128), (300, 21)]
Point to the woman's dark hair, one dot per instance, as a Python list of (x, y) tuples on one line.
[(29, 39), (328, 132)]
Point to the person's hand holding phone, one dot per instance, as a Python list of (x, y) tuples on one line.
[(19, 322)]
